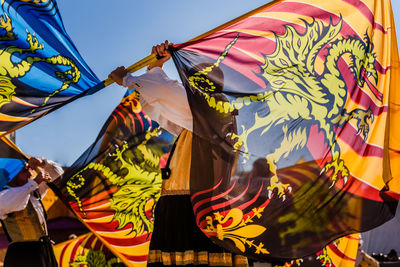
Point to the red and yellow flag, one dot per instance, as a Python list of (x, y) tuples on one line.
[(297, 103), (114, 185), (86, 250)]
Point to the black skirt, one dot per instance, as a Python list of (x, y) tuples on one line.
[(30, 253), (177, 240)]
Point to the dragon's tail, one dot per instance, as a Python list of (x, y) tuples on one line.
[(70, 76)]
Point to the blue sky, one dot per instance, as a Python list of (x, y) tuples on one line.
[(114, 33)]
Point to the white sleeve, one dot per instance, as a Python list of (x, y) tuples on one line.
[(163, 99), (54, 170), (15, 198)]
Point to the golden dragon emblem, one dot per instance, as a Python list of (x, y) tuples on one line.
[(11, 69), (134, 170), (297, 91)]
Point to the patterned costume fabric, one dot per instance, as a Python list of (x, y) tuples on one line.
[(296, 103), (39, 65), (114, 185)]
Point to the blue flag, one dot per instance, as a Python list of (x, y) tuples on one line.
[(39, 65), (11, 162)]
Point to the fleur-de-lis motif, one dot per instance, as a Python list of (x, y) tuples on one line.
[(238, 228)]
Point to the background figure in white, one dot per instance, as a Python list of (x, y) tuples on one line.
[(23, 216)]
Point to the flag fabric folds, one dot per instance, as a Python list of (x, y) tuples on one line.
[(114, 186), (297, 104), (40, 67), (342, 252), (85, 250)]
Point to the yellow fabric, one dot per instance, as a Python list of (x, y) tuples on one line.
[(179, 181), (393, 137), (347, 245)]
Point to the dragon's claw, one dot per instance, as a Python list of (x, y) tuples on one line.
[(281, 188), (363, 126), (338, 169), (33, 42)]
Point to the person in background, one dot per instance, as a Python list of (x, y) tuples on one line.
[(176, 239), (22, 214)]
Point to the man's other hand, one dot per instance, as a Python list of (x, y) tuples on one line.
[(43, 177), (118, 74)]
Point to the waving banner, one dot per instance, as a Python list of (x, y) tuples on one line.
[(114, 185), (39, 65), (297, 104)]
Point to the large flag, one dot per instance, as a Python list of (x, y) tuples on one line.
[(114, 185), (297, 103), (39, 65), (86, 250)]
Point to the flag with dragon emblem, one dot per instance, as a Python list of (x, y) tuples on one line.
[(86, 250), (342, 252), (114, 185), (39, 65), (295, 136)]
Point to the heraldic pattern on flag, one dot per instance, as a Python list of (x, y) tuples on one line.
[(40, 66), (114, 186), (86, 250), (295, 102)]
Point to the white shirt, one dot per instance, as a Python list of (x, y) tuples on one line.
[(163, 99), (14, 199)]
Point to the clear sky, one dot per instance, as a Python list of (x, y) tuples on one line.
[(120, 32)]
